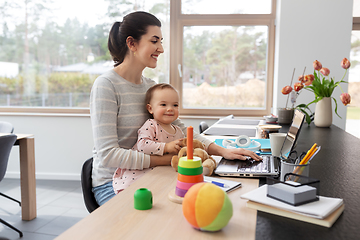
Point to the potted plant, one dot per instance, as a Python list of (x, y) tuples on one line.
[(323, 89)]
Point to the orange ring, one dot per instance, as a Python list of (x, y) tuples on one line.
[(190, 179)]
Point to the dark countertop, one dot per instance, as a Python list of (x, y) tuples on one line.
[(337, 165)]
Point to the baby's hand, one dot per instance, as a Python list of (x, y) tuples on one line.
[(173, 147)]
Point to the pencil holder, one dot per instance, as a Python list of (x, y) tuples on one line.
[(143, 199), (288, 167)]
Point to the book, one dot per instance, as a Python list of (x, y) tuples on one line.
[(323, 212), (326, 222)]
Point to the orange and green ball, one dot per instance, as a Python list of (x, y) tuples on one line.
[(207, 207)]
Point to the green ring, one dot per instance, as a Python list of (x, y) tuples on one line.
[(195, 163), (190, 171)]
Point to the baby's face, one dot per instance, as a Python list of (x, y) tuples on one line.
[(164, 105)]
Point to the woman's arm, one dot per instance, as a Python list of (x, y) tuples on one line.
[(236, 153), (214, 149), (104, 108), (160, 160)]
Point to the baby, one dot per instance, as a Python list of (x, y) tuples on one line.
[(158, 136)]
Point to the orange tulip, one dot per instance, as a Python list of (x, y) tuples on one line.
[(325, 71), (308, 79), (345, 64), (301, 78), (317, 65), (345, 98), (298, 86), (286, 90)]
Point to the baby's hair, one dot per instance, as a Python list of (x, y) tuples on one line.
[(134, 25), (151, 90)]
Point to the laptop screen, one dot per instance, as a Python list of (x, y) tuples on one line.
[(293, 133)]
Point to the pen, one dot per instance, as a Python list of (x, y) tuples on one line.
[(318, 149), (223, 185)]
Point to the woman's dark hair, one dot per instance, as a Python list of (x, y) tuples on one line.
[(135, 25)]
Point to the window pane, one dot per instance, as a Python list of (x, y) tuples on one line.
[(356, 8), (226, 7), (225, 67), (353, 109), (54, 59)]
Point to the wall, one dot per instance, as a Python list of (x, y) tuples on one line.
[(309, 30), (306, 30), (62, 144)]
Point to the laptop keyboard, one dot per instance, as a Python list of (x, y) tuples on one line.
[(251, 166)]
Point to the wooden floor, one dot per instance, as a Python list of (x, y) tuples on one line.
[(59, 206)]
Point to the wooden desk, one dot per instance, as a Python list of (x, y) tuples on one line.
[(117, 219), (27, 175)]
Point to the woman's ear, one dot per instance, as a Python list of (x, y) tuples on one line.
[(149, 108), (131, 44)]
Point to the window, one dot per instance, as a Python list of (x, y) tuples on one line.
[(223, 62), (50, 59), (51, 55), (353, 109)]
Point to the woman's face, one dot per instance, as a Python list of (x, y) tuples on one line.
[(150, 47)]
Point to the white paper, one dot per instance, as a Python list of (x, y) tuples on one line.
[(318, 209), (230, 185)]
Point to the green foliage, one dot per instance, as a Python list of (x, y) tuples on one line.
[(309, 115), (322, 87), (53, 83), (353, 113)]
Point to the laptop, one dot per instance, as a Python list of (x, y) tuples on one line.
[(269, 166)]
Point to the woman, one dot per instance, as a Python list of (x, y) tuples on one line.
[(117, 104)]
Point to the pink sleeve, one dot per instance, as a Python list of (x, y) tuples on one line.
[(146, 140)]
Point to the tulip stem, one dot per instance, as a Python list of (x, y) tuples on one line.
[(344, 75), (341, 89)]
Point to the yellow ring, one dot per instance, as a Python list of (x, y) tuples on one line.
[(185, 163)]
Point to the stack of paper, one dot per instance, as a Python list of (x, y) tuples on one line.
[(323, 212)]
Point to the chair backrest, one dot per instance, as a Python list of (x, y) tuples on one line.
[(86, 184), (203, 126), (6, 127), (6, 143)]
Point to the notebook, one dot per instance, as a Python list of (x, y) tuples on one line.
[(323, 212), (269, 166)]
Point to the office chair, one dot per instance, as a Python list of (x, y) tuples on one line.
[(203, 126), (6, 127), (86, 184), (6, 143)]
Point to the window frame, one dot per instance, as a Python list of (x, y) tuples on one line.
[(356, 23), (178, 21)]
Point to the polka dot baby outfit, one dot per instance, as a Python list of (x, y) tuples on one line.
[(151, 140)]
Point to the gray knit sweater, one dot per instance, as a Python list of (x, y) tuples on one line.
[(117, 110)]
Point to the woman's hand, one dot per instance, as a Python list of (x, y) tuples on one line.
[(235, 153), (240, 153)]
